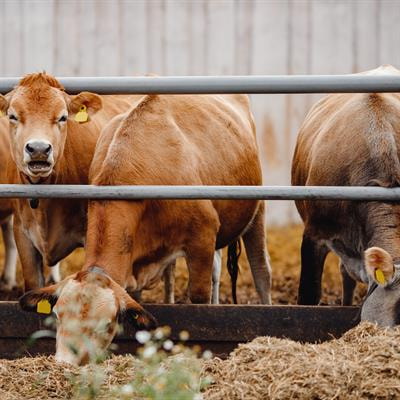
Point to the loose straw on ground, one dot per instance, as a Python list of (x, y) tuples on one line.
[(363, 364)]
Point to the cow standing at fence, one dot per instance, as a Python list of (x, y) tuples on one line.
[(352, 140), (49, 146), (162, 140), (8, 280)]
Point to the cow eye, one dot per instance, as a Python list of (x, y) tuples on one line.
[(62, 118), (13, 118)]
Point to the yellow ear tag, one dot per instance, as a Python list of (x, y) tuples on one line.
[(1, 113), (82, 115), (44, 307), (379, 276)]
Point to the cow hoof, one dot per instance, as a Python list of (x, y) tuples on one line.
[(183, 300), (7, 286)]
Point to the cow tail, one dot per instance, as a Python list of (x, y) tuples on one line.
[(234, 251)]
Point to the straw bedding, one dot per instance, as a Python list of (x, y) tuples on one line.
[(363, 364), (43, 378)]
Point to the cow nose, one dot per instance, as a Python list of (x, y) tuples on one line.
[(38, 149)]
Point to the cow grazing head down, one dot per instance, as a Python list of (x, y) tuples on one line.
[(38, 110), (382, 303), (88, 306)]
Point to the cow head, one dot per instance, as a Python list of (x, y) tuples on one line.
[(38, 110), (87, 306), (382, 303)]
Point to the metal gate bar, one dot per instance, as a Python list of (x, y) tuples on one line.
[(360, 193), (272, 84)]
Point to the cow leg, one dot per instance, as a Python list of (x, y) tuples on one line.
[(348, 286), (200, 264), (9, 277), (216, 276), (55, 275), (313, 257), (254, 240), (31, 260), (169, 284)]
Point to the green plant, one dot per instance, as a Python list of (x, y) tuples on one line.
[(165, 371)]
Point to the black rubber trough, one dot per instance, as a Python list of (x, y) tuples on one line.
[(219, 328)]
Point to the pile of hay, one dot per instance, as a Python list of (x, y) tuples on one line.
[(363, 364), (43, 378)]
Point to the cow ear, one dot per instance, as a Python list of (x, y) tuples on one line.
[(3, 106), (379, 265), (40, 300), (137, 316), (43, 299), (132, 311), (83, 106)]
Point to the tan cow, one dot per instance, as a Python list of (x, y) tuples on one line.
[(162, 140), (352, 140), (49, 146), (8, 279)]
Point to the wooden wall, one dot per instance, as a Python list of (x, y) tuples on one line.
[(214, 37)]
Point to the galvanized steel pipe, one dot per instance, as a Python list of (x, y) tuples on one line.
[(201, 192), (272, 84)]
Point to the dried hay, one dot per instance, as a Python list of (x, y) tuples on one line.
[(363, 364), (43, 378)]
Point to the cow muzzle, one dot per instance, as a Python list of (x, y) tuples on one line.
[(38, 156)]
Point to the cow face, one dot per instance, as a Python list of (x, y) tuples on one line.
[(382, 303), (38, 110), (87, 306)]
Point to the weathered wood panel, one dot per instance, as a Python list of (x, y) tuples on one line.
[(204, 37)]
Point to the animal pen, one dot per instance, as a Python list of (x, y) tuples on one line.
[(217, 327)]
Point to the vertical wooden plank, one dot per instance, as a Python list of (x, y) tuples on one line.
[(220, 37), (243, 36), (2, 36), (134, 38), (297, 106), (155, 22), (332, 37), (86, 37), (197, 37), (107, 38), (37, 37), (365, 44), (270, 56), (66, 38), (11, 41), (176, 37), (389, 33)]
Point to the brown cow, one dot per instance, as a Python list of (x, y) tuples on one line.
[(8, 279), (48, 146), (162, 140), (352, 140)]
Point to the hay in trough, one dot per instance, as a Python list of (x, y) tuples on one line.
[(44, 378), (363, 364)]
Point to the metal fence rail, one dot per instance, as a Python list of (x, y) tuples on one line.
[(201, 192), (273, 84)]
